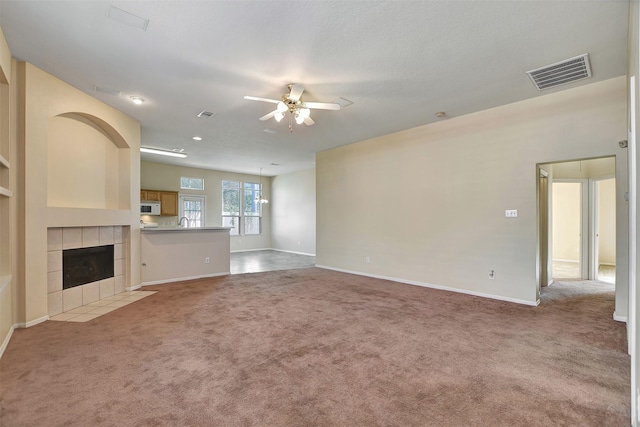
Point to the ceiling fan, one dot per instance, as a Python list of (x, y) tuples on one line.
[(291, 102)]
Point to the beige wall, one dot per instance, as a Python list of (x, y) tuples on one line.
[(426, 205), (170, 256), (83, 166), (41, 99), (585, 169), (606, 222), (567, 208), (294, 212), (159, 176)]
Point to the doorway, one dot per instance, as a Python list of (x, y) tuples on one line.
[(569, 207), (578, 218)]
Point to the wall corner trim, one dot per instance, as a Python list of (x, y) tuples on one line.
[(439, 287)]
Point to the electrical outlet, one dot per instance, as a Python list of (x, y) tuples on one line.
[(206, 260), (367, 259), (511, 213)]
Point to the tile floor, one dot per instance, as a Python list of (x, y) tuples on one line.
[(100, 307), (268, 260)]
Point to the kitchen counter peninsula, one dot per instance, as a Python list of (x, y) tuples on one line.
[(176, 254), (182, 229)]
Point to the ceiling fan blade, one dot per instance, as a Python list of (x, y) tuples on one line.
[(308, 121), (296, 92), (268, 116), (253, 98), (322, 105)]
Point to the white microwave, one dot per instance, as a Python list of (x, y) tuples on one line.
[(150, 208)]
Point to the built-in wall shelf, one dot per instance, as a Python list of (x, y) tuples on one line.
[(5, 192)]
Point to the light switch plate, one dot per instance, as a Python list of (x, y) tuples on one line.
[(511, 213)]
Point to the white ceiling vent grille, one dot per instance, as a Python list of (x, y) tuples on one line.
[(567, 71), (206, 114)]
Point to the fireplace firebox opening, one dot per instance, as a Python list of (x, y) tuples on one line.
[(86, 265)]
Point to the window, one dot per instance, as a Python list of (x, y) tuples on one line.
[(193, 208), (252, 209), (187, 183), (231, 206), (244, 218)]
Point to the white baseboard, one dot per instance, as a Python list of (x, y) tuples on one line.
[(250, 250), (429, 285), (608, 264), (32, 323), (292, 252), (133, 288), (567, 260), (5, 343), (619, 318), (183, 279)]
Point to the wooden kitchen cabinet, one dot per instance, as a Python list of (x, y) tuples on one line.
[(168, 200), (169, 203), (150, 195)]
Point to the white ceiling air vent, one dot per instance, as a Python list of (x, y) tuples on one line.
[(206, 114), (567, 71), (107, 90)]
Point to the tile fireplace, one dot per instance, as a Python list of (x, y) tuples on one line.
[(85, 265)]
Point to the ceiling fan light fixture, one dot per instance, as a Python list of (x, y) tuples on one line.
[(299, 119), (304, 113), (281, 107), (278, 116)]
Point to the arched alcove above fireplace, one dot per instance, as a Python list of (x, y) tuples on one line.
[(87, 164)]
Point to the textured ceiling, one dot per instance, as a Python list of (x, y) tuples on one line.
[(400, 62)]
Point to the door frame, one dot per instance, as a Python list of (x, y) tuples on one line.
[(594, 233)]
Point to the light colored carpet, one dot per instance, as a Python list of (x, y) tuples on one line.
[(313, 347)]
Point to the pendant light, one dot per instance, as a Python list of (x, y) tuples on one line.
[(259, 198)]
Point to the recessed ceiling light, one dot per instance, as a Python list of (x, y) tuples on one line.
[(136, 100), (197, 138), (162, 152), (275, 164)]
